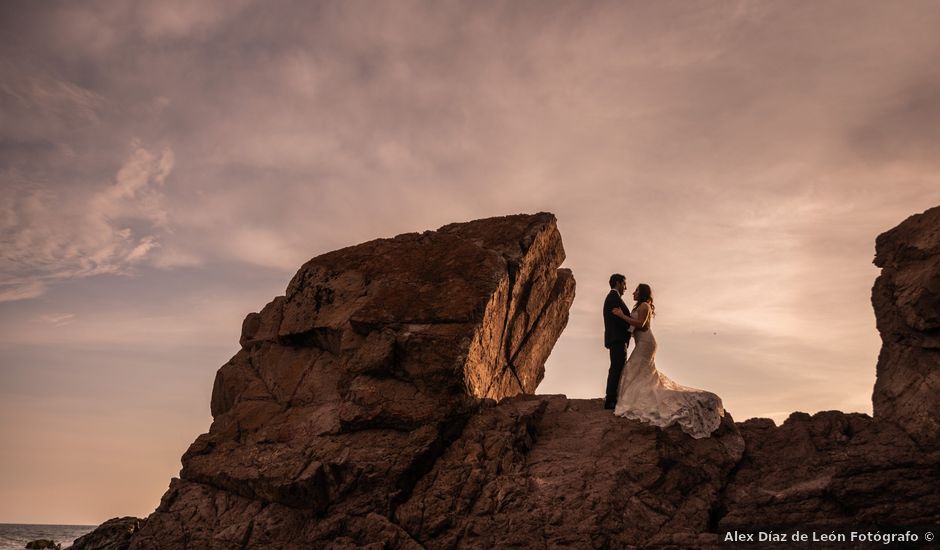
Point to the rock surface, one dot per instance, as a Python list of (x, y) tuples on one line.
[(114, 534), (906, 298), (547, 471), (361, 412), (829, 469)]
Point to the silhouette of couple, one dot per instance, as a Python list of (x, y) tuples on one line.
[(635, 389)]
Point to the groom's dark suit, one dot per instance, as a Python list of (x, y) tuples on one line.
[(616, 336)]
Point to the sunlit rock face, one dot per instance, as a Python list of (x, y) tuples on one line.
[(906, 298)]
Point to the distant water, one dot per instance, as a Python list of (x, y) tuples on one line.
[(14, 536)]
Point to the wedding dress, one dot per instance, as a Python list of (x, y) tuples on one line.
[(648, 395)]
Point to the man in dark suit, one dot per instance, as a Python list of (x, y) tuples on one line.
[(616, 336)]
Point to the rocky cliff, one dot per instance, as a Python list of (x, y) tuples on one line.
[(906, 298), (385, 401)]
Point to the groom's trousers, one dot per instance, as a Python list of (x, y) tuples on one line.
[(618, 357)]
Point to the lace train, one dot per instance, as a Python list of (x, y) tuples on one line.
[(650, 396)]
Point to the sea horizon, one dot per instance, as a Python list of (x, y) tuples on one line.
[(16, 535)]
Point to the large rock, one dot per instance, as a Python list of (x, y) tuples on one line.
[(906, 298), (347, 388)]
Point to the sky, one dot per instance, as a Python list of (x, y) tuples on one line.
[(167, 166)]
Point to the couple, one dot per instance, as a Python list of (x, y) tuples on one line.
[(636, 389)]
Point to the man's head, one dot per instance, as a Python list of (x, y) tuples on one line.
[(618, 282)]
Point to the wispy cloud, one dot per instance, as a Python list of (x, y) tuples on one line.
[(50, 233), (16, 290), (44, 96), (57, 319)]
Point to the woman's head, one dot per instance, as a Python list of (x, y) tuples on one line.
[(643, 293)]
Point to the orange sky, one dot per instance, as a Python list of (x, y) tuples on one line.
[(167, 166)]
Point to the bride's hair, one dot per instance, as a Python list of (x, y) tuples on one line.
[(646, 295)]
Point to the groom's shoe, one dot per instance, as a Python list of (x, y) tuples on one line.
[(610, 406)]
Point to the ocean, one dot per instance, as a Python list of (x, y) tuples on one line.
[(15, 536)]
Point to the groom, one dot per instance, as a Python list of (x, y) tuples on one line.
[(616, 336)]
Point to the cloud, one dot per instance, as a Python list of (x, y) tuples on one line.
[(45, 120), (44, 96), (263, 247), (17, 290), (57, 319), (173, 19), (49, 234), (905, 126), (136, 192)]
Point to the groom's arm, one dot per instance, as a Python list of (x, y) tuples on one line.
[(619, 313), (643, 313), (620, 309)]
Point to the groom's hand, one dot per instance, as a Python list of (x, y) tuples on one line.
[(619, 313)]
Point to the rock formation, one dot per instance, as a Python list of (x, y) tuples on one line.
[(114, 534), (348, 387), (906, 298), (386, 401)]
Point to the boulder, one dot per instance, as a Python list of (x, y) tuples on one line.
[(906, 299), (114, 534), (347, 388)]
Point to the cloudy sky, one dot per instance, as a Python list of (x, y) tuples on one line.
[(166, 167)]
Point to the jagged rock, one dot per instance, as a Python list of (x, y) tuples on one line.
[(906, 298), (831, 469), (114, 534), (547, 471), (349, 386), (42, 544), (531, 471)]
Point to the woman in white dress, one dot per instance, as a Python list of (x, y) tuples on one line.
[(648, 395)]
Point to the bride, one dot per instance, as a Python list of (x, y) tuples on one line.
[(648, 395)]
